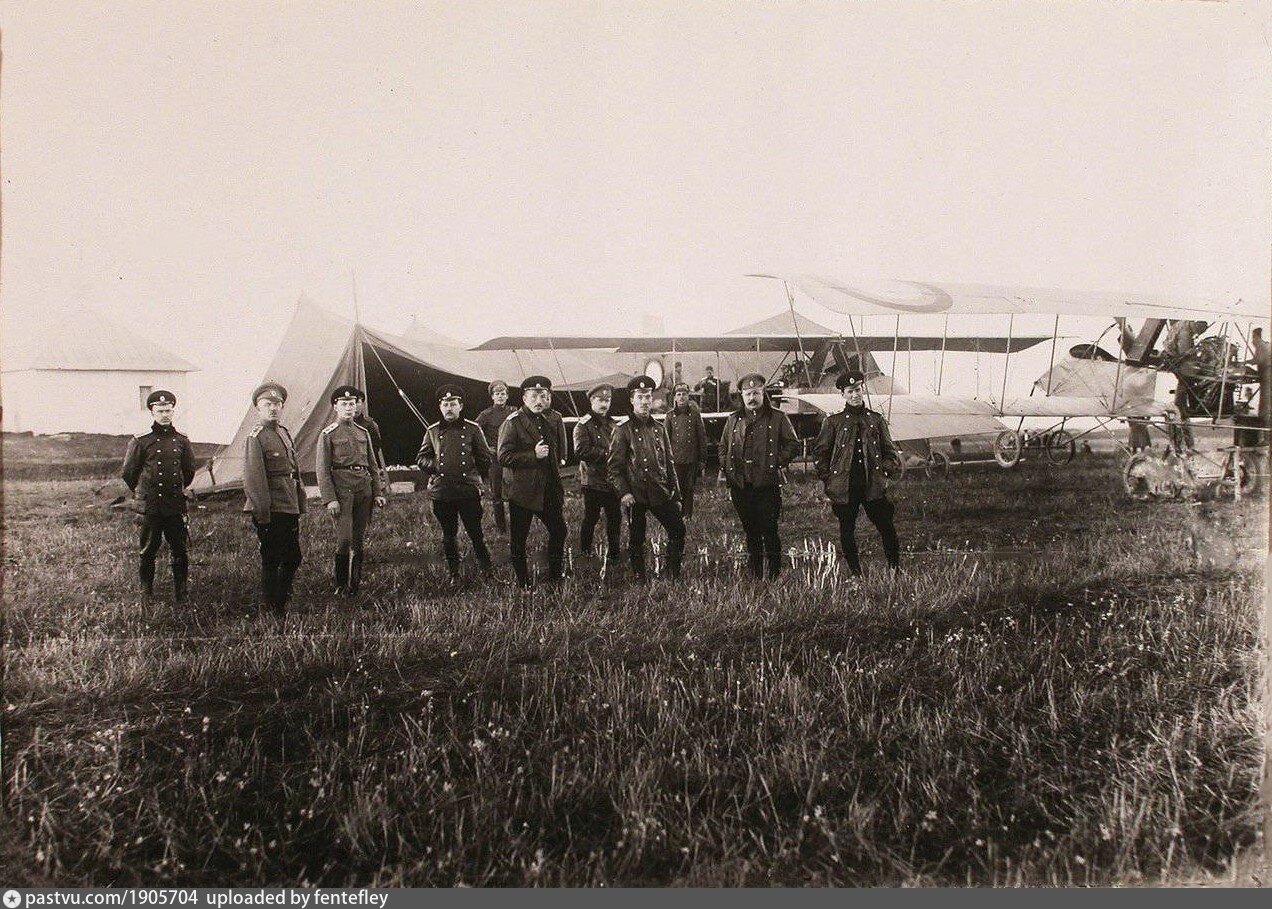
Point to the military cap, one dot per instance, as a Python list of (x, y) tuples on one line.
[(680, 386), (604, 388), (530, 382), (271, 390), (347, 391), (449, 390), (495, 386), (752, 380), (851, 378), (641, 382), (160, 397)]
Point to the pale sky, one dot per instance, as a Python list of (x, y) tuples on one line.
[(519, 167)]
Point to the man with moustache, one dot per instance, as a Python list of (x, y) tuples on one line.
[(855, 454), (491, 420), (275, 496), (757, 444), (592, 436), (643, 474), (531, 452), (688, 436), (349, 479), (158, 466)]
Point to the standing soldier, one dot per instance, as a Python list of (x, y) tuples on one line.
[(490, 420), (349, 480), (709, 388), (854, 453), (531, 452), (757, 443), (688, 436), (275, 495), (592, 436), (454, 456), (158, 466), (642, 472)]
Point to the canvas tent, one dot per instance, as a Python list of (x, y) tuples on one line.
[(321, 351)]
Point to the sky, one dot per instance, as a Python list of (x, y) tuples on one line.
[(517, 167)]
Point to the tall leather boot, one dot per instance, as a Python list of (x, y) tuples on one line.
[(282, 590), (147, 576), (180, 577), (521, 568), (340, 565), (269, 587), (355, 573), (501, 519)]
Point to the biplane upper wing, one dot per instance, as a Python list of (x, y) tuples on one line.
[(731, 343), (942, 298)]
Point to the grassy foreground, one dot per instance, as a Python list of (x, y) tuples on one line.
[(1060, 689)]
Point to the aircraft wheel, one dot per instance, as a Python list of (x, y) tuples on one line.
[(1248, 477), (1008, 448), (938, 466), (1061, 447), (1142, 478)]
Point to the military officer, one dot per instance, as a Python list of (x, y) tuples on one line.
[(275, 495), (349, 480), (158, 466), (757, 443), (490, 420), (455, 457), (688, 436), (531, 452), (592, 436), (642, 473), (855, 454)]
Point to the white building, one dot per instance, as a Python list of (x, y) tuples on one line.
[(84, 374)]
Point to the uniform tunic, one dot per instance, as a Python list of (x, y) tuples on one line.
[(454, 456), (158, 466), (276, 499), (348, 473), (640, 463), (592, 436)]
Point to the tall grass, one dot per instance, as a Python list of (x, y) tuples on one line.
[(1054, 692)]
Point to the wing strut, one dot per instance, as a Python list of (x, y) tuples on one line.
[(896, 335), (1055, 330), (1002, 397)]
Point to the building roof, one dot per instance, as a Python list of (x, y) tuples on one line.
[(87, 340)]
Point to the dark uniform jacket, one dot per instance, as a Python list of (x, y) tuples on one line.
[(525, 477), (688, 434), (755, 451), (592, 436), (271, 477), (491, 420), (640, 462), (835, 448), (158, 466), (454, 456), (346, 462)]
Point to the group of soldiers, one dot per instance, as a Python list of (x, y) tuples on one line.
[(636, 467)]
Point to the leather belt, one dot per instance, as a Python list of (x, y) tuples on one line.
[(356, 468)]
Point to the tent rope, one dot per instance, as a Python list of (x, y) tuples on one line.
[(402, 394)]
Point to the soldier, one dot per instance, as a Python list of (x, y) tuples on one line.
[(490, 420), (642, 473), (454, 456), (757, 443), (531, 452), (158, 466), (592, 436), (275, 496), (688, 436), (855, 454), (709, 388), (349, 480)]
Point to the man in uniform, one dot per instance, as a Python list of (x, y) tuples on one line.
[(454, 456), (158, 466), (688, 436), (275, 495), (349, 480), (531, 452), (592, 436), (709, 388), (643, 474), (757, 443), (855, 454), (490, 420)]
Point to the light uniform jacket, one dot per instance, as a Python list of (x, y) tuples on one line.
[(526, 477), (592, 436), (835, 447), (454, 456), (271, 478), (775, 446), (640, 462), (158, 466), (346, 462), (688, 434)]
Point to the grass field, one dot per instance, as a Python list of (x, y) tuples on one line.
[(1060, 689)]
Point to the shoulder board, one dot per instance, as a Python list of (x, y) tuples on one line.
[(364, 430), (585, 419), (256, 431), (327, 429), (512, 415), (473, 423), (142, 435), (621, 421)]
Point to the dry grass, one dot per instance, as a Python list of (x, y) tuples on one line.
[(1056, 691)]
